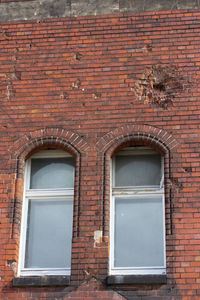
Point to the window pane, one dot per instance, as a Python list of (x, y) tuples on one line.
[(52, 173), (139, 232), (49, 234), (138, 170)]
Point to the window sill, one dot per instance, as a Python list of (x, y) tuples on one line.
[(40, 281), (136, 279)]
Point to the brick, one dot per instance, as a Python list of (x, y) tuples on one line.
[(69, 83)]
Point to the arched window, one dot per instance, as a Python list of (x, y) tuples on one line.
[(137, 213), (47, 214)]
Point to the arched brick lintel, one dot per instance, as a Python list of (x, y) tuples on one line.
[(143, 134), (44, 138)]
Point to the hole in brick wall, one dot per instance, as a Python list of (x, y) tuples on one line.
[(77, 55), (159, 85), (188, 169)]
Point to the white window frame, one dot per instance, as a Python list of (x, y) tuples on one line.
[(65, 194), (130, 191)]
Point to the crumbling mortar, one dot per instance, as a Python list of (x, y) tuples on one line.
[(158, 85), (175, 184), (8, 91)]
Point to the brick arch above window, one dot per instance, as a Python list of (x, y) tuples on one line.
[(36, 140), (147, 134)]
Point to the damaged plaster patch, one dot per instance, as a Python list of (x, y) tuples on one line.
[(6, 84), (97, 238), (64, 96), (158, 85), (76, 84), (12, 264)]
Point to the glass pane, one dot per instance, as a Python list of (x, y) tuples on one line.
[(139, 232), (52, 173), (137, 170), (49, 234)]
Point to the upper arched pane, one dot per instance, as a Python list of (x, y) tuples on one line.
[(137, 167), (52, 172)]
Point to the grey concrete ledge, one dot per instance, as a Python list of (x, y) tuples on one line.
[(41, 281), (136, 279), (43, 9)]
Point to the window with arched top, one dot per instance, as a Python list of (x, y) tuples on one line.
[(137, 213), (47, 214)]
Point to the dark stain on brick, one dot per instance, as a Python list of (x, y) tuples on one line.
[(188, 169)]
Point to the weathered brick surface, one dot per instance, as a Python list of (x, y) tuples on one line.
[(70, 83), (93, 289)]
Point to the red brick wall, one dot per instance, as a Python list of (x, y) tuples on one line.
[(71, 83)]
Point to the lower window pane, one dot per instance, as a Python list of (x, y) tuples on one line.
[(139, 232), (49, 234)]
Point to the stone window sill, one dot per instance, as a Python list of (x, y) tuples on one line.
[(136, 279), (40, 281)]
